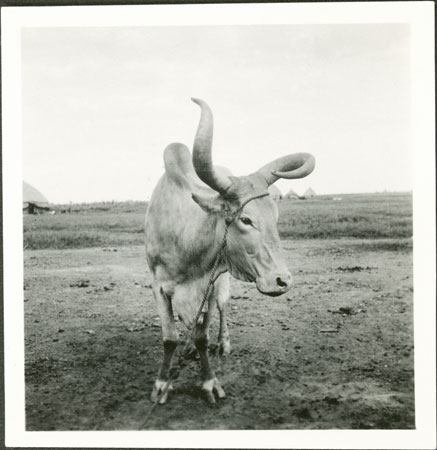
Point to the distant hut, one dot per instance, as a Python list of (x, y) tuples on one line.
[(309, 193), (274, 192), (291, 195), (33, 201)]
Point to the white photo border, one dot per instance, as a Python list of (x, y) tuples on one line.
[(420, 17)]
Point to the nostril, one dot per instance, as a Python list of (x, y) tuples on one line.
[(280, 282)]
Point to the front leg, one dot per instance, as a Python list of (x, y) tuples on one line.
[(210, 382), (170, 340)]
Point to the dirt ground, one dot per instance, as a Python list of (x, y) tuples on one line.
[(336, 352)]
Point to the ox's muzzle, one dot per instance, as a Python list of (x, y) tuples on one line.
[(274, 283)]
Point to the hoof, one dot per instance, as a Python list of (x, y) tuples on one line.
[(157, 391), (213, 386), (225, 348)]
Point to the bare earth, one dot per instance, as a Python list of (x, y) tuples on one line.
[(335, 352)]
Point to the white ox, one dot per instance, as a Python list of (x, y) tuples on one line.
[(185, 224)]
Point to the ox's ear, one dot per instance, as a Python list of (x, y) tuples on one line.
[(212, 205)]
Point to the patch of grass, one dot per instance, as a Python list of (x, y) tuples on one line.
[(114, 207), (376, 216), (405, 245), (355, 216), (89, 228)]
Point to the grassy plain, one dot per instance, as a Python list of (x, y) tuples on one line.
[(384, 215)]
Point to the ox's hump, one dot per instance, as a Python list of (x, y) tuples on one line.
[(178, 163), (179, 168)]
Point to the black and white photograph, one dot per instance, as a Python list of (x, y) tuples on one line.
[(219, 218)]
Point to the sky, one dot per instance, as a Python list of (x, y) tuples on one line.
[(101, 104)]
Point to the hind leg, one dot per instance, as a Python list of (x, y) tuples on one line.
[(201, 334), (221, 294), (170, 340)]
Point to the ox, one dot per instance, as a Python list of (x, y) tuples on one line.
[(191, 206)]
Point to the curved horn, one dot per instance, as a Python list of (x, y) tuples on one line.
[(202, 146), (298, 165)]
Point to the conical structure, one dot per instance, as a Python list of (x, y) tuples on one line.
[(33, 200), (309, 193), (291, 195), (274, 192)]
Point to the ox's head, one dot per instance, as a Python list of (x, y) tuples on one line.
[(253, 245)]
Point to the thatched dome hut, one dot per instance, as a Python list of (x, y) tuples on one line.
[(33, 201), (309, 193), (291, 195), (274, 192)]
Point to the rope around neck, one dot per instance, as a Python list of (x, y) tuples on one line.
[(175, 373), (218, 258)]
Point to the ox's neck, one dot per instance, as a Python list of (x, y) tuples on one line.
[(202, 238)]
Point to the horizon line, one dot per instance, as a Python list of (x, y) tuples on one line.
[(410, 191)]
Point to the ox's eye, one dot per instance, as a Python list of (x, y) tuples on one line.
[(246, 221)]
